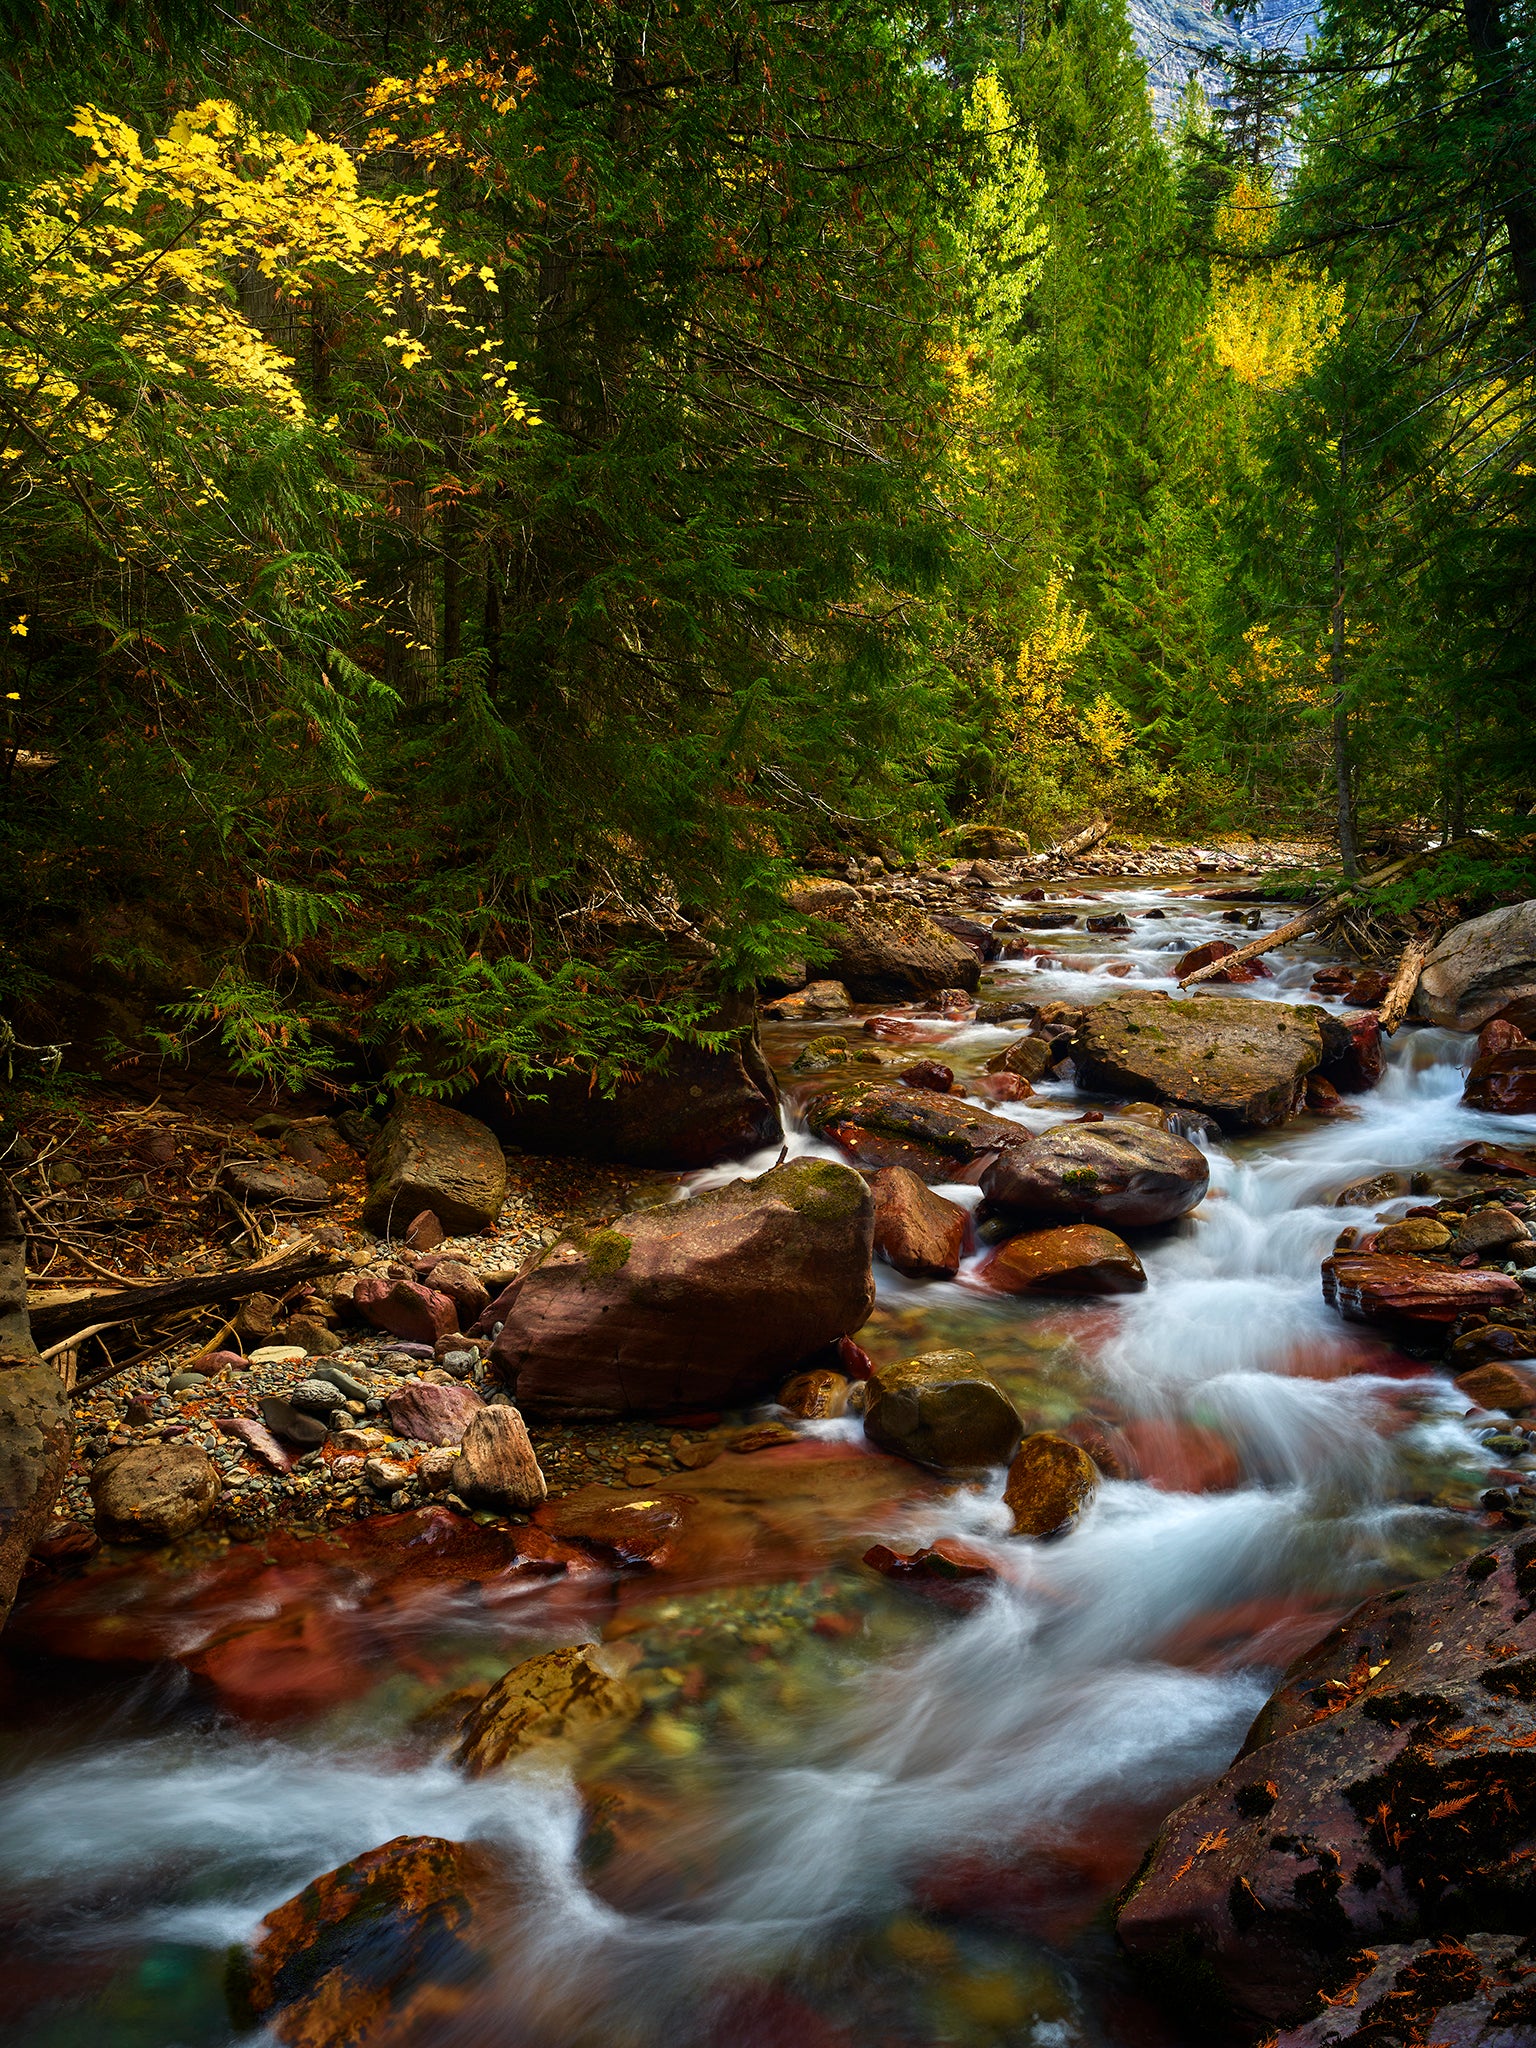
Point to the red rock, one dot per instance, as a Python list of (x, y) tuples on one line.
[(1391, 1288), (1388, 1786), (942, 1128), (1077, 1259), (1496, 1159), (1114, 1171), (1498, 1035), (258, 1438), (928, 1074), (853, 1360), (463, 1287), (1352, 1051), (302, 1661), (406, 1309), (642, 1531), (1180, 1457), (703, 1304), (1004, 1088), (916, 1231), (423, 1232), (894, 1030), (1511, 1388), (1323, 1099), (1504, 1082), (1368, 991), (382, 1950), (1457, 1993), (1220, 949), (66, 1543), (949, 1571), (431, 1414)]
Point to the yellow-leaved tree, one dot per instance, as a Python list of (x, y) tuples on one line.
[(1271, 316)]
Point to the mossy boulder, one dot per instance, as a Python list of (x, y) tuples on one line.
[(942, 1411), (881, 1123), (1243, 1062), (1119, 1172), (882, 953), (701, 1304)]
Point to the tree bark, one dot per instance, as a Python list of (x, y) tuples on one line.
[(1337, 678), (1489, 40), (35, 1424)]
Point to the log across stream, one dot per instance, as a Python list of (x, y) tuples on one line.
[(846, 1816)]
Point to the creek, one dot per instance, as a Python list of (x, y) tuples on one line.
[(850, 1818)]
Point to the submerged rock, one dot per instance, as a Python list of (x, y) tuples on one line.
[(1077, 1258), (1050, 1482), (1385, 1793), (372, 1952), (916, 1231), (706, 1303), (153, 1492), (948, 1571), (1115, 1172), (1244, 1063), (1480, 968), (941, 1411), (565, 1695)]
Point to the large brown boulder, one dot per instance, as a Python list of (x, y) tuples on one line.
[(916, 1231), (377, 1951), (431, 1157), (1077, 1258), (36, 1432), (1127, 1174), (942, 1411), (1399, 1290), (153, 1492), (702, 1304), (1386, 1792), (1243, 1062), (698, 1108), (1480, 968), (881, 953), (880, 1123)]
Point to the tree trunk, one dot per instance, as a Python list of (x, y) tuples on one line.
[(1337, 677), (35, 1423), (453, 582), (1489, 38)]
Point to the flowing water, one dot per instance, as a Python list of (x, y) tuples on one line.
[(849, 1818)]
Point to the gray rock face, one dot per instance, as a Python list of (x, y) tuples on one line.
[(1242, 1062), (703, 1304), (153, 1492), (274, 1184), (1479, 967), (431, 1157)]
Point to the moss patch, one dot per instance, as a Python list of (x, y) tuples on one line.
[(818, 1188), (607, 1253)]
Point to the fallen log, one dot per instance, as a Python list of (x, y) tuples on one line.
[(200, 1290), (1079, 842), (35, 1426), (1404, 981), (1294, 928)]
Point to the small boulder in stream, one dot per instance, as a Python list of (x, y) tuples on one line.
[(1245, 1063), (1503, 1082), (1122, 1173), (1076, 1258), (705, 1303), (563, 1696), (375, 1951), (1050, 1482), (940, 1410), (916, 1231)]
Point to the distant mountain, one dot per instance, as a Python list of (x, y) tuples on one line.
[(1173, 37)]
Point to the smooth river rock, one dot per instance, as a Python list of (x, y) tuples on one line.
[(562, 1696), (1503, 1082), (429, 1156), (1480, 968), (706, 1303), (916, 1231), (153, 1492), (1243, 1062), (1125, 1174), (1386, 1792), (432, 1414), (1050, 1482), (940, 1410), (1076, 1258)]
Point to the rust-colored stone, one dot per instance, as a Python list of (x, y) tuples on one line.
[(916, 1231), (1511, 1388), (1392, 1288), (1079, 1258), (563, 1696), (1050, 1482)]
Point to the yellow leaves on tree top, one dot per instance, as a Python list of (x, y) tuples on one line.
[(1270, 318)]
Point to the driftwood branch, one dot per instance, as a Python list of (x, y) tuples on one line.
[(1292, 929), (66, 1320), (1404, 982), (1080, 842)]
